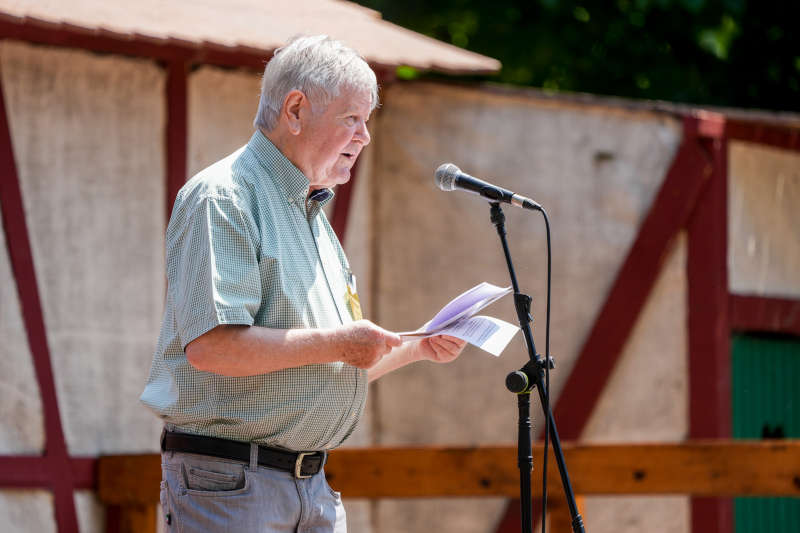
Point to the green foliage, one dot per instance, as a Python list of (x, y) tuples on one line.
[(743, 53)]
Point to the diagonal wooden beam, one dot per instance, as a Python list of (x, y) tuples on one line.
[(670, 211), (59, 473)]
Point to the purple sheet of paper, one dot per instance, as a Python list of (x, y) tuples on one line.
[(466, 304)]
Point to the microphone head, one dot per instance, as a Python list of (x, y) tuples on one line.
[(445, 176)]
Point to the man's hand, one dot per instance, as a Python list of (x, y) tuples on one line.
[(440, 348), (363, 344)]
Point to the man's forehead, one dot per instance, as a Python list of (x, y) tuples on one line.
[(350, 100)]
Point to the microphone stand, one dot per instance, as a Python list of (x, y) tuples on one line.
[(521, 382)]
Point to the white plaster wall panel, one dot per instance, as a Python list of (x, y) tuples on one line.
[(221, 108), (27, 511), (90, 511), (21, 416), (464, 515), (646, 400), (88, 136), (764, 220), (595, 169), (664, 514)]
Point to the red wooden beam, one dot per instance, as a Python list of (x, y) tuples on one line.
[(31, 471), (709, 328), (176, 130), (760, 313), (19, 250), (785, 137), (84, 472), (21, 471)]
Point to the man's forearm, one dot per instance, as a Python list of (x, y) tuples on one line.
[(251, 350)]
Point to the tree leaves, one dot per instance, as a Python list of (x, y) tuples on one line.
[(742, 53)]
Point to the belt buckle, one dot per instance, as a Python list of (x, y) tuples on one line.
[(298, 465)]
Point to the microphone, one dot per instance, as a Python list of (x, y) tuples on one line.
[(449, 177)]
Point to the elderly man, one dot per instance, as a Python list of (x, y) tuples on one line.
[(263, 360)]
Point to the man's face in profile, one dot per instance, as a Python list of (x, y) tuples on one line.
[(333, 139)]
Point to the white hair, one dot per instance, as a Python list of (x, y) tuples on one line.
[(319, 67)]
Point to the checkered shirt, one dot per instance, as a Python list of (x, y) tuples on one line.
[(244, 247)]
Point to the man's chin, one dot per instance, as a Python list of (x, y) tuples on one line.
[(341, 178)]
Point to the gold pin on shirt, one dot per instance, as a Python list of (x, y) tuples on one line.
[(353, 303)]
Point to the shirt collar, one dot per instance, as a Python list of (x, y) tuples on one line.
[(283, 171)]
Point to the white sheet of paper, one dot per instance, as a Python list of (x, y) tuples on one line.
[(455, 319), (486, 332)]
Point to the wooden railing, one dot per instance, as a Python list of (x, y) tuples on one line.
[(128, 484)]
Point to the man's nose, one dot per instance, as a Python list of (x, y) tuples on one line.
[(362, 134)]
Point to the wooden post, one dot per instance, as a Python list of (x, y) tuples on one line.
[(131, 518)]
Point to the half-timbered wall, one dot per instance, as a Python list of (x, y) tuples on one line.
[(101, 141)]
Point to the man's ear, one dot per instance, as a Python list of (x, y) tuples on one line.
[(292, 105)]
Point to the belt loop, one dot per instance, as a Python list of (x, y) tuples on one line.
[(253, 456)]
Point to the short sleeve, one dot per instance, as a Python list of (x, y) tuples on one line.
[(212, 266)]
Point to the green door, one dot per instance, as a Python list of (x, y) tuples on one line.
[(766, 404)]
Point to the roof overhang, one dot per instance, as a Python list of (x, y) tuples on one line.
[(231, 33)]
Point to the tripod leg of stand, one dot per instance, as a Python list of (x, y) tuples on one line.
[(559, 515), (576, 521)]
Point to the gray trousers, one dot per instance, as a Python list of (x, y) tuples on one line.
[(206, 494)]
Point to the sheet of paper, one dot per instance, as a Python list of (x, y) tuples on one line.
[(465, 304), (486, 332), (456, 319)]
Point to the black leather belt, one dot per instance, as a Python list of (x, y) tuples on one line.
[(299, 464)]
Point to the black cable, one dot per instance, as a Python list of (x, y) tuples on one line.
[(546, 406)]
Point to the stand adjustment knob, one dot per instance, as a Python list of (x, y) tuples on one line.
[(517, 382)]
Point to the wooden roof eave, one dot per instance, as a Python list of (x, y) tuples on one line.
[(104, 40)]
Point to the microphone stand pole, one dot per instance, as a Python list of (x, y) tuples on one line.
[(521, 382)]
